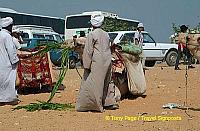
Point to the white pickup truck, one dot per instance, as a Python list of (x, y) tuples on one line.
[(153, 51)]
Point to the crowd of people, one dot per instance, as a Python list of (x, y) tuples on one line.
[(100, 88)]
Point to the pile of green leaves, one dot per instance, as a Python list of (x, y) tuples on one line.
[(45, 106), (64, 67)]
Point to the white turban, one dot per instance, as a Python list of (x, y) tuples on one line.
[(140, 25), (97, 20), (4, 22), (16, 30)]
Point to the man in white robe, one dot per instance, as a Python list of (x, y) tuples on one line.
[(94, 92), (8, 62)]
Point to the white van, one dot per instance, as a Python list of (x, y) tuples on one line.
[(34, 31)]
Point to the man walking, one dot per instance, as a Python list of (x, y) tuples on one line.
[(97, 69)]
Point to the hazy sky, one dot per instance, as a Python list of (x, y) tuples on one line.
[(157, 15)]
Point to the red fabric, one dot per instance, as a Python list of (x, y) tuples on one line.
[(34, 71), (179, 45), (117, 63)]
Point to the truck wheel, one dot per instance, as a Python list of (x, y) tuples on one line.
[(171, 58), (72, 63), (150, 63)]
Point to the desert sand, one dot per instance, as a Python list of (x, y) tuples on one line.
[(164, 85)]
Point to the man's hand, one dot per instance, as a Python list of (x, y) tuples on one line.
[(136, 42)]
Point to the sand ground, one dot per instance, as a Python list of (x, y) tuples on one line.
[(165, 85)]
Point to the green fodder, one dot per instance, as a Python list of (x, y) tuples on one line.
[(64, 67), (45, 106)]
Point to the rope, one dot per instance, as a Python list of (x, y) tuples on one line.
[(186, 74), (78, 73), (186, 81), (186, 85)]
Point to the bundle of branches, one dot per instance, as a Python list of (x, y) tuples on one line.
[(64, 67)]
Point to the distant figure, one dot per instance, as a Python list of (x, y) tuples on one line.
[(97, 70), (17, 39), (182, 48), (8, 63), (74, 37), (138, 39), (80, 45)]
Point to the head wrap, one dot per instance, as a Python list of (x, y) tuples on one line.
[(183, 28), (97, 20), (5, 22), (16, 30), (140, 25)]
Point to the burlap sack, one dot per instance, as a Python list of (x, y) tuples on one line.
[(135, 75)]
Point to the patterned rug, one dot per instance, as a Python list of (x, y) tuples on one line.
[(34, 71)]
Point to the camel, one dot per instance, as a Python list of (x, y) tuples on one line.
[(193, 43)]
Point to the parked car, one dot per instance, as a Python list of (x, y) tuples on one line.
[(153, 51), (34, 31), (55, 54)]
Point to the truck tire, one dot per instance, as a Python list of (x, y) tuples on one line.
[(150, 63), (171, 58)]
